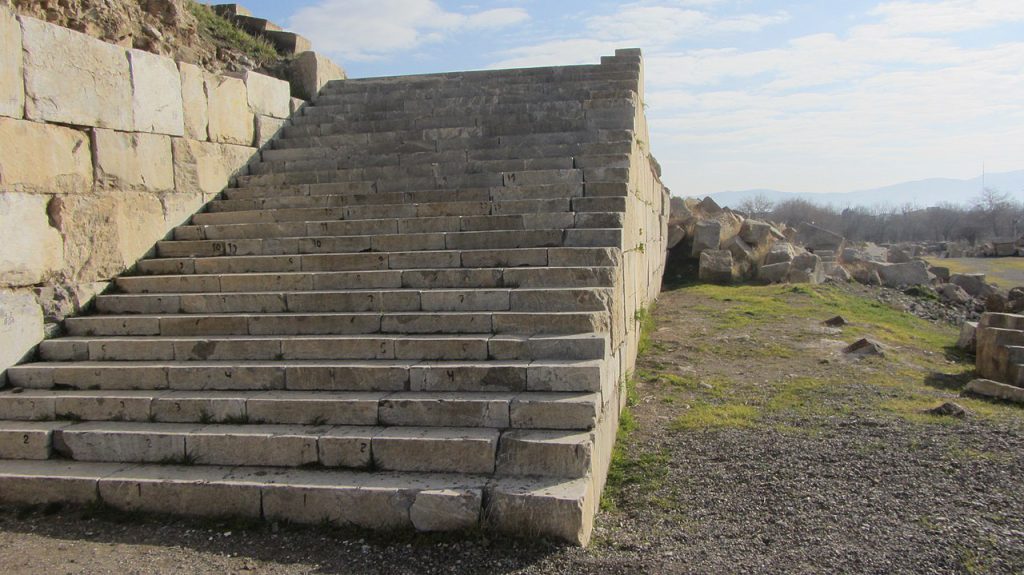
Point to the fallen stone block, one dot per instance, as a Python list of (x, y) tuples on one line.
[(707, 236), (904, 275), (774, 273), (974, 284), (953, 293), (864, 348), (996, 390), (716, 266), (781, 252), (816, 238), (755, 232)]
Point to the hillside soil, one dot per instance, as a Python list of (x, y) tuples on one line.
[(753, 444), (184, 30)]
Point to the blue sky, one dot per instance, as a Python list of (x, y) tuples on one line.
[(798, 95)]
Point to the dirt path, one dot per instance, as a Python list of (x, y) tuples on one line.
[(753, 446)]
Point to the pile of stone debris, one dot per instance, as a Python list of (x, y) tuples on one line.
[(732, 247)]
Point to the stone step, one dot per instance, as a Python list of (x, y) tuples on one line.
[(347, 123), (483, 278), (427, 178), (562, 364), (448, 167), (558, 320), (594, 233), (350, 301), (473, 108), (29, 411), (470, 450), (381, 501), (585, 89), (30, 439), (388, 211), (333, 105), (430, 141), (557, 259), (490, 149), (359, 193), (534, 77)]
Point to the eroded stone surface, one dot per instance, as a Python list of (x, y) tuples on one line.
[(32, 249), (206, 167), (268, 96), (194, 101), (21, 326)]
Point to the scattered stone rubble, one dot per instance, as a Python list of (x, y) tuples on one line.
[(730, 247)]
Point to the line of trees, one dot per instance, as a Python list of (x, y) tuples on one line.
[(992, 214)]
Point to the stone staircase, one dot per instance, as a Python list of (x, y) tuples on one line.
[(415, 310)]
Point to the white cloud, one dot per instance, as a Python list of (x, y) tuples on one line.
[(371, 29), (906, 17)]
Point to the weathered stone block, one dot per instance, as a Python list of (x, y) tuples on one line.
[(73, 78), (906, 274), (230, 121), (446, 509), (707, 236), (12, 72), (156, 94), (21, 326), (107, 231), (38, 157), (266, 128), (194, 102), (311, 71), (32, 248), (715, 266), (133, 161), (773, 273), (268, 96), (206, 167)]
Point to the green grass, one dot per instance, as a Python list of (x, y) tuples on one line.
[(225, 32), (716, 416), (1005, 272)]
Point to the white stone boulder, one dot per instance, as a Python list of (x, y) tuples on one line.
[(913, 273), (73, 78), (780, 252), (707, 236), (774, 273)]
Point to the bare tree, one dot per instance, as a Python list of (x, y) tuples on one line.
[(994, 206), (758, 206)]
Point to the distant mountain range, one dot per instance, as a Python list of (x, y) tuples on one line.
[(920, 193)]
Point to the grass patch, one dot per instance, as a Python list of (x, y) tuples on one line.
[(225, 32), (716, 416)]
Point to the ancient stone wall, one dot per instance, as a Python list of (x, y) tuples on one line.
[(103, 150)]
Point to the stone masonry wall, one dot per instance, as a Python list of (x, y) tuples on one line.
[(103, 150)]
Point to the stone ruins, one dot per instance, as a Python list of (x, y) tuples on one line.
[(409, 303)]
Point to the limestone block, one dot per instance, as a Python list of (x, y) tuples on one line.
[(781, 252), (206, 167), (446, 509), (816, 238), (156, 94), (38, 157), (230, 120), (311, 71), (194, 101), (707, 236), (73, 78), (715, 266), (974, 284), (12, 80), (546, 507), (773, 273), (968, 339), (133, 161), (266, 128), (905, 274), (107, 231), (296, 104), (989, 388), (268, 96), (21, 326), (33, 250)]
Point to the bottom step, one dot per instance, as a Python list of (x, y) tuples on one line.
[(560, 509)]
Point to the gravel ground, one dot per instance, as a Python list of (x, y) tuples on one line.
[(848, 479)]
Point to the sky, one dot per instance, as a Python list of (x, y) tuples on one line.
[(794, 95)]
